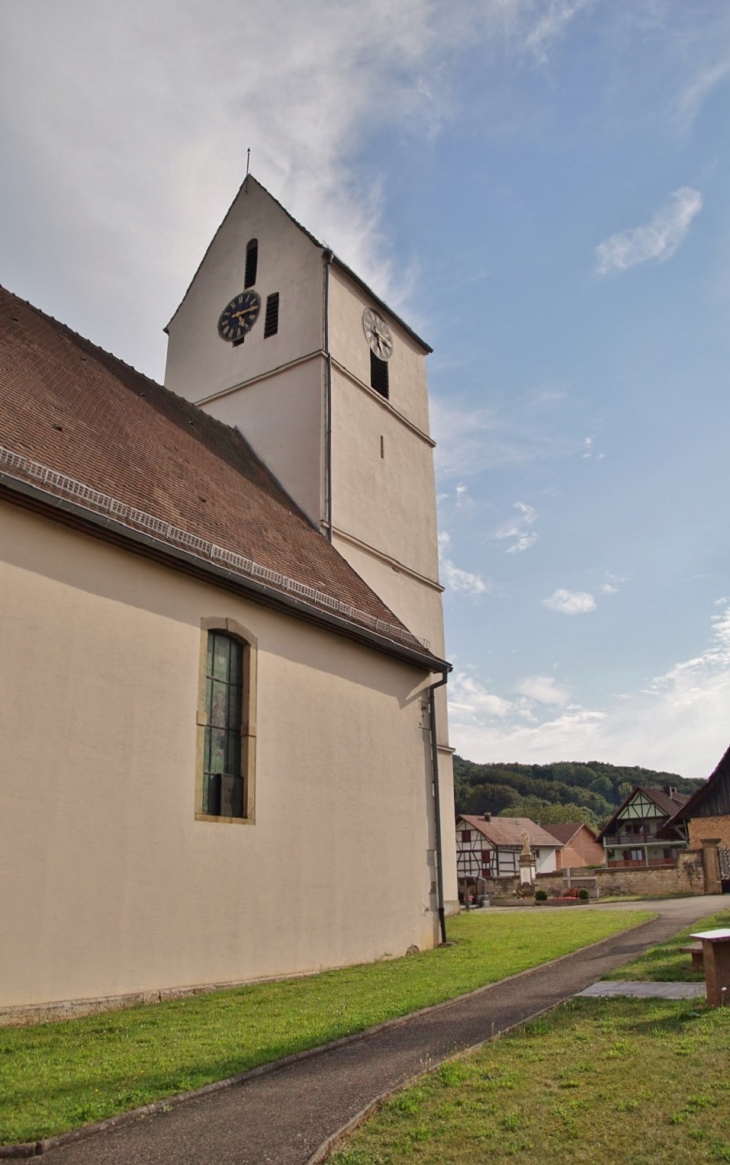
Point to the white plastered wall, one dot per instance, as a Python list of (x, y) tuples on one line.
[(199, 362), (110, 884), (281, 418), (407, 365)]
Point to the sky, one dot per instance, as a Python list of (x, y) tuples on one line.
[(542, 188)]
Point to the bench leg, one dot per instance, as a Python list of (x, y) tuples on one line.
[(717, 972)]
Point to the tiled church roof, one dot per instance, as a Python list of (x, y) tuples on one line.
[(85, 414)]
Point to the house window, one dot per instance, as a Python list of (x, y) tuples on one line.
[(466, 835), (271, 323), (378, 374), (252, 260), (226, 723)]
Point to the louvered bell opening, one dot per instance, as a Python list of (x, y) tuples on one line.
[(378, 375), (252, 261), (271, 324)]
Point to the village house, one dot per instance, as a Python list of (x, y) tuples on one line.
[(580, 846), (225, 746), (632, 836), (490, 847), (704, 820)]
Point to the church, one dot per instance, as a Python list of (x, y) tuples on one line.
[(224, 733)]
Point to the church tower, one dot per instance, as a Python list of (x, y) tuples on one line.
[(277, 336)]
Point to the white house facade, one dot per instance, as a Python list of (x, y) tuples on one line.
[(490, 847)]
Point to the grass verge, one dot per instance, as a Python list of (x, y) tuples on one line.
[(58, 1076), (667, 963), (641, 1082)]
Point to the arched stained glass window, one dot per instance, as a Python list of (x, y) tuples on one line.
[(222, 777)]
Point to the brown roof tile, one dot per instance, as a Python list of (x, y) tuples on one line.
[(565, 831), (509, 830), (76, 408)]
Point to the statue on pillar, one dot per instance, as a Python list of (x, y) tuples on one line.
[(527, 862)]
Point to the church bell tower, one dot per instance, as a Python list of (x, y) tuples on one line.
[(277, 336)]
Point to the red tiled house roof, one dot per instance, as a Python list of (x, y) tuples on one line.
[(509, 830), (565, 831)]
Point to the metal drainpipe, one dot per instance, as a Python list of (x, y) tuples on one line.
[(437, 801), (327, 259)]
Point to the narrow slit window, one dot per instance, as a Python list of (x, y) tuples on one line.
[(252, 262), (378, 374), (271, 324), (222, 778)]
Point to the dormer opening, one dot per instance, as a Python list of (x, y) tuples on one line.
[(379, 374), (252, 260)]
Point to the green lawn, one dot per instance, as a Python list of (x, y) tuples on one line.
[(58, 1076), (635, 1082), (667, 963)]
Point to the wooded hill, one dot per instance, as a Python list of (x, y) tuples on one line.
[(565, 791)]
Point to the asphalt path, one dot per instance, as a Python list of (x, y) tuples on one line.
[(284, 1116)]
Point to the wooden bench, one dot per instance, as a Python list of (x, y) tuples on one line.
[(698, 958)]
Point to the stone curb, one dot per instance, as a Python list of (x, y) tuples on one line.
[(38, 1148)]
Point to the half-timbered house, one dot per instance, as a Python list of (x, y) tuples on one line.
[(632, 836), (490, 847)]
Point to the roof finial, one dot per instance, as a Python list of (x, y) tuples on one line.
[(248, 163)]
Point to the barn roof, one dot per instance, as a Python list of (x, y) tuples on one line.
[(716, 789)]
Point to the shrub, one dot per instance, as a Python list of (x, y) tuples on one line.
[(583, 894), (541, 895)]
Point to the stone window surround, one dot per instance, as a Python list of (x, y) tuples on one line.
[(248, 719)]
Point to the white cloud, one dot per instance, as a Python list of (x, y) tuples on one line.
[(124, 131), (698, 89), (657, 239), (512, 433), (545, 690), (570, 602), (555, 16), (453, 577), (678, 723), (519, 529), (470, 697)]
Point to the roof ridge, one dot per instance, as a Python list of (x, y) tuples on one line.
[(77, 335)]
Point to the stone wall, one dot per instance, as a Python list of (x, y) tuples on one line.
[(685, 877)]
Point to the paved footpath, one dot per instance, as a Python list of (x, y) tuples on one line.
[(281, 1118)]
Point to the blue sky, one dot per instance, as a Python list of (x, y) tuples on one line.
[(542, 188)]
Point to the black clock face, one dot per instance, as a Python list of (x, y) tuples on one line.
[(240, 315)]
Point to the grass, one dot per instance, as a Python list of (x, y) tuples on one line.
[(58, 1076), (641, 1082), (667, 963)]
